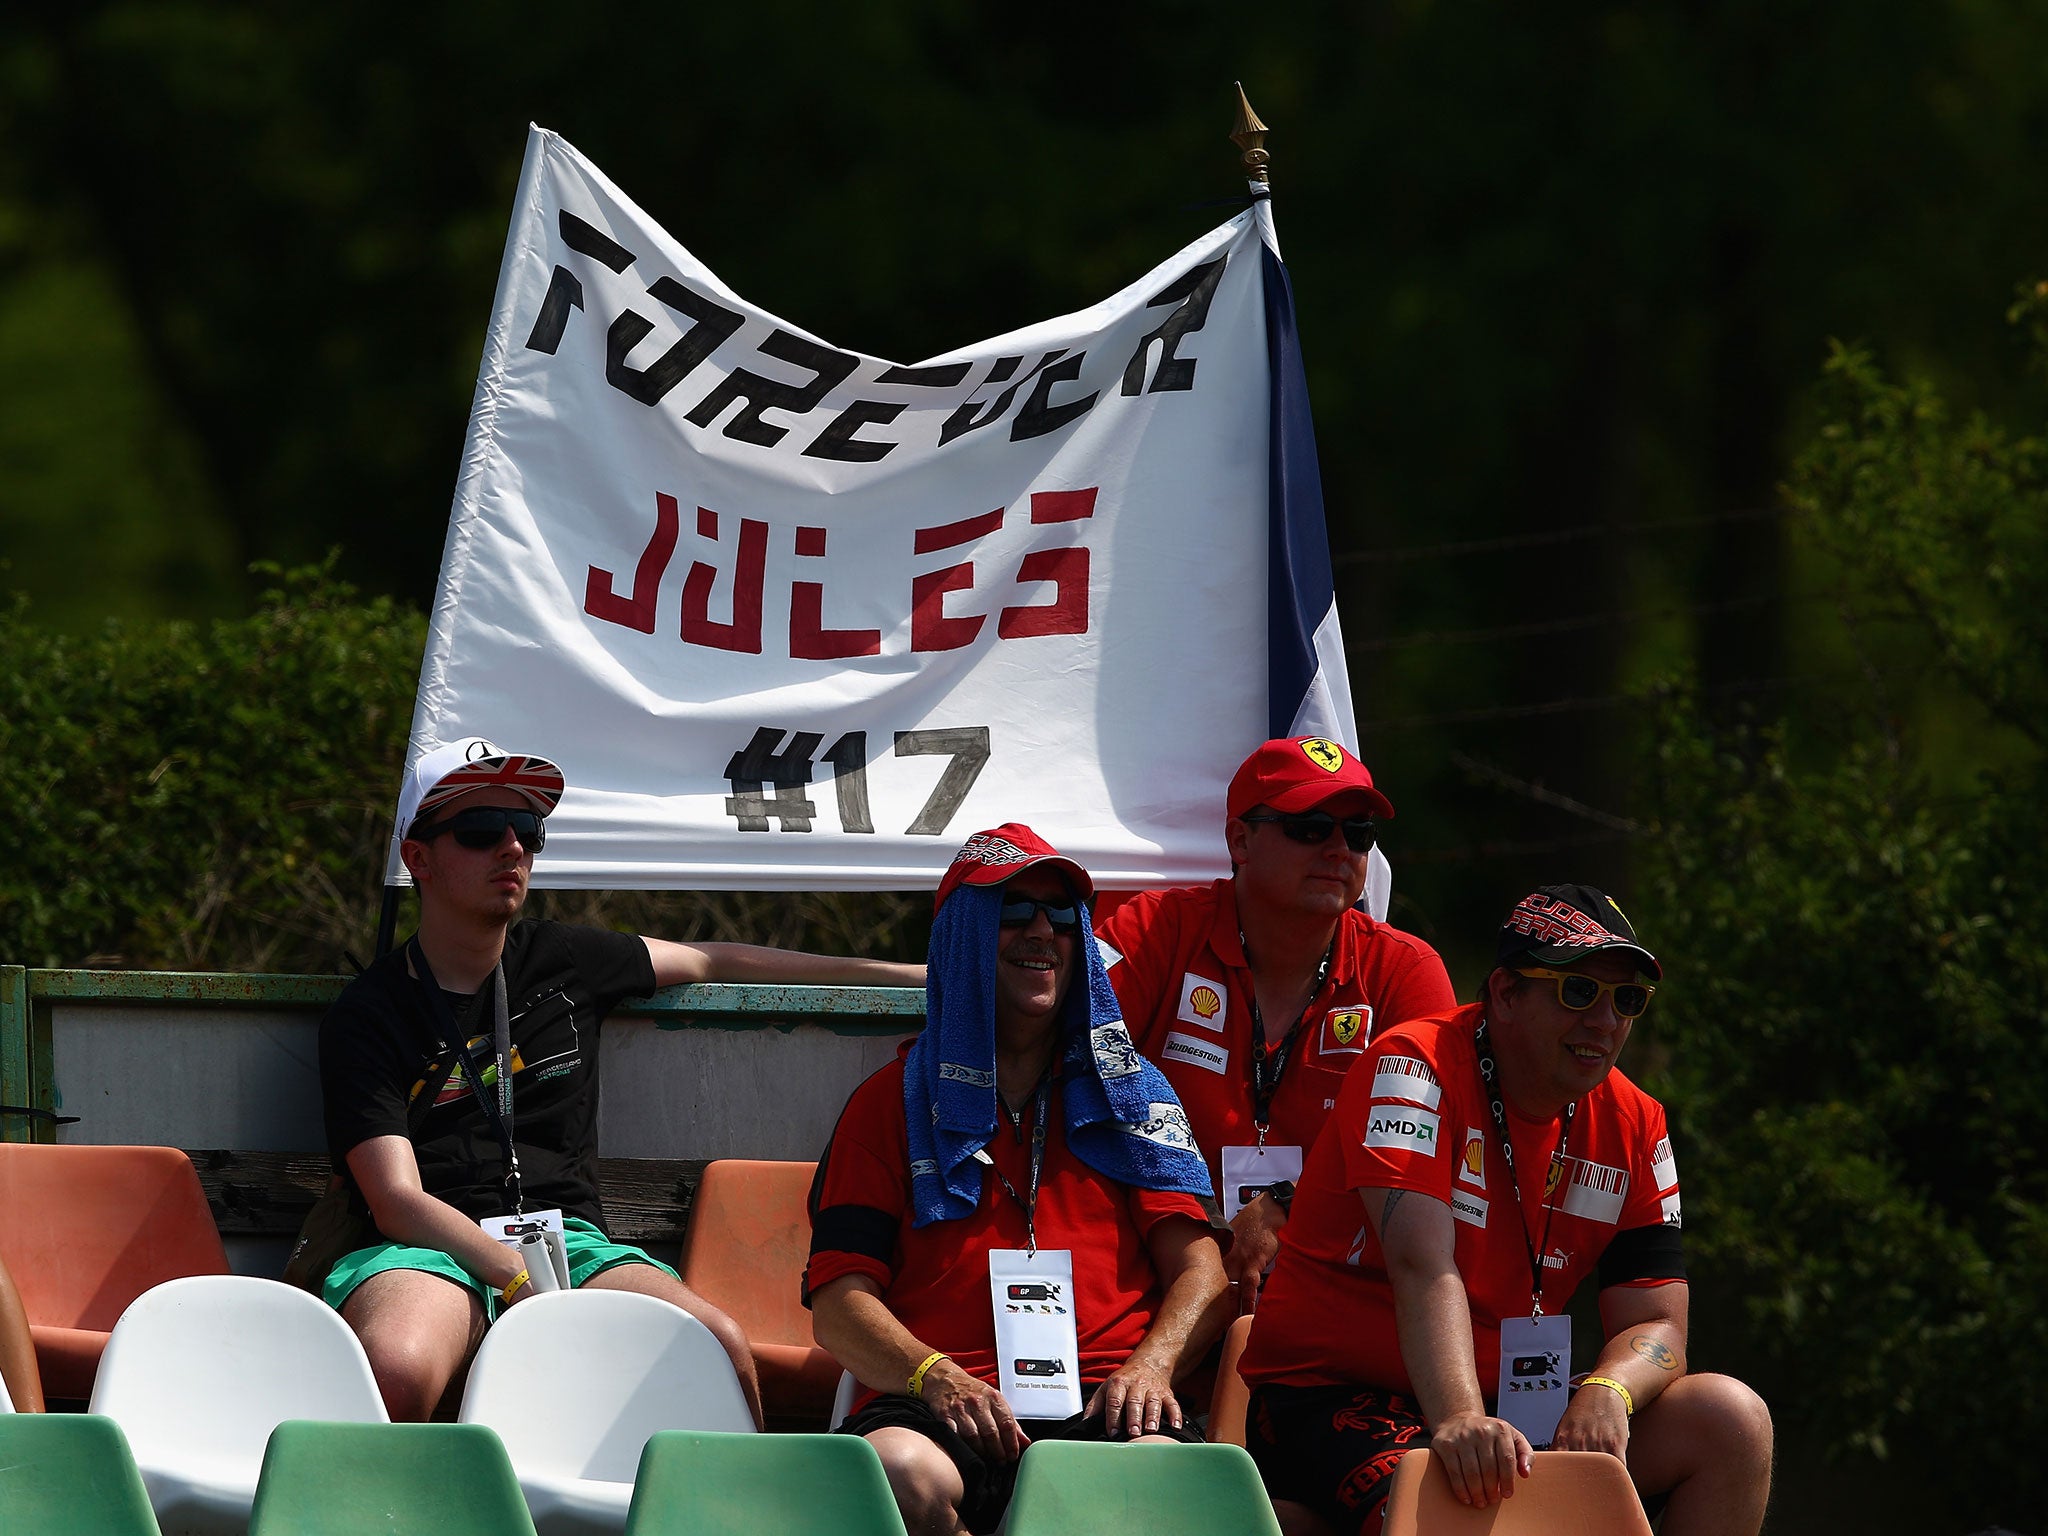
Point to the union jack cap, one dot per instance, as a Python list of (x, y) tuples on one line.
[(473, 763)]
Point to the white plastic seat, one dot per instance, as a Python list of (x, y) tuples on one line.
[(842, 1400), (199, 1371), (574, 1382)]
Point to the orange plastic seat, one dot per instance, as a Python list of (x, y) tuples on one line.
[(84, 1231), (1583, 1492), (749, 1238), (1227, 1403)]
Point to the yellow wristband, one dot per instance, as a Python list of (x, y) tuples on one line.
[(917, 1376), (1628, 1403), (511, 1287)]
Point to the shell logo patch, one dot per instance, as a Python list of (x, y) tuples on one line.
[(1472, 1166), (1202, 1001), (1326, 755)]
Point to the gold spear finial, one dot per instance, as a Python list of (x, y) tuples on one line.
[(1250, 136)]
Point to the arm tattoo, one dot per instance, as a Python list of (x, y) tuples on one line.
[(1656, 1351), (1387, 1210)]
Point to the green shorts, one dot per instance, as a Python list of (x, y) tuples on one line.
[(590, 1252)]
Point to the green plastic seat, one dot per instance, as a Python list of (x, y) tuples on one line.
[(697, 1483), (389, 1479), (69, 1474), (1069, 1489)]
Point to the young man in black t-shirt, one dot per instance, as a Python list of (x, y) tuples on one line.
[(422, 1295)]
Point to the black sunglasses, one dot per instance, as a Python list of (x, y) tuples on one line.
[(1315, 826), (1018, 911), (483, 826)]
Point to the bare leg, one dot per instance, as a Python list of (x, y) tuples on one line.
[(649, 1281), (18, 1367), (418, 1330), (1706, 1441), (926, 1483)]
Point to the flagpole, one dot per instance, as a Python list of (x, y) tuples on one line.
[(1249, 135)]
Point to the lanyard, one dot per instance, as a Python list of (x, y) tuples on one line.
[(499, 1110), (1037, 1159), (1489, 1074), (1266, 1083)]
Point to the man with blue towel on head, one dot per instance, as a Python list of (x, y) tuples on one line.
[(1008, 1236)]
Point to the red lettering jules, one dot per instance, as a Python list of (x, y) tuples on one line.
[(949, 603)]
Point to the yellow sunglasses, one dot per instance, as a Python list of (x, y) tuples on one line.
[(1579, 992)]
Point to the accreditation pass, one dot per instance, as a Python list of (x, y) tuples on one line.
[(1038, 1351)]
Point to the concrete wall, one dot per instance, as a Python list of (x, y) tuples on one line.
[(249, 1079)]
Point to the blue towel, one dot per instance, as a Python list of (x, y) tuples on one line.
[(1121, 1115)]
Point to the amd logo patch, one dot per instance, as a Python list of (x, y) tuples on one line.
[(1403, 1128)]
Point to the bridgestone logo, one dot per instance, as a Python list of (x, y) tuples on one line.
[(1469, 1209), (1399, 1128), (1403, 1077), (1207, 1054)]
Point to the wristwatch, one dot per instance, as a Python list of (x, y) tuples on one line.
[(1282, 1195)]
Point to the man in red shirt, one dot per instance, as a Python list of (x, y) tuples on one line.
[(1007, 1216), (1480, 1164), (1256, 994)]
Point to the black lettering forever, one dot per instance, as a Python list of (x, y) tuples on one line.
[(1190, 294)]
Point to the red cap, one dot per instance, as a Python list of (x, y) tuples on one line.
[(1299, 774), (1003, 853)]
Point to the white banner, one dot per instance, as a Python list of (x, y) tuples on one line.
[(789, 616)]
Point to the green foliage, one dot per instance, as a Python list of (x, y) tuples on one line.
[(218, 797), (200, 797), (1559, 268), (1855, 905)]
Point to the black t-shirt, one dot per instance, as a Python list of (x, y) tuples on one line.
[(379, 1040)]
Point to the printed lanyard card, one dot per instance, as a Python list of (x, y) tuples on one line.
[(537, 1239), (1249, 1170), (1038, 1349), (1535, 1362)]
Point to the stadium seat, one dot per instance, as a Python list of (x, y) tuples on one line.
[(695, 1484), (1227, 1402), (393, 1479), (86, 1230), (69, 1474), (574, 1382), (842, 1400), (1583, 1492), (748, 1240), (1070, 1489), (199, 1372)]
